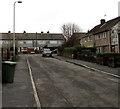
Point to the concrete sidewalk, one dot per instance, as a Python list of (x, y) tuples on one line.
[(92, 66), (20, 93)]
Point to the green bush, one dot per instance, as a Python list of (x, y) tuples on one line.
[(78, 48), (86, 50), (70, 50), (108, 55), (111, 59), (60, 48)]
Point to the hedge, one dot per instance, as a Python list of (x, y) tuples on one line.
[(86, 50), (60, 48), (110, 59), (70, 50), (108, 55)]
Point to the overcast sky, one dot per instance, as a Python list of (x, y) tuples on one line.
[(43, 15)]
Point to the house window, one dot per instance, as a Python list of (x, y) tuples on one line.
[(104, 34), (59, 42), (98, 49), (53, 42), (42, 42), (86, 39), (24, 42), (99, 36), (90, 38)]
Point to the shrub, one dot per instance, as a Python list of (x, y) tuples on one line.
[(60, 49), (108, 55), (86, 50), (111, 59), (70, 50)]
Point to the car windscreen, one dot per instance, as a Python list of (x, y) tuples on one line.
[(47, 50)]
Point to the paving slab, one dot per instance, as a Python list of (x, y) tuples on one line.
[(20, 92), (114, 71)]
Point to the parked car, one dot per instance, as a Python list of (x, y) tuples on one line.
[(46, 52), (55, 51)]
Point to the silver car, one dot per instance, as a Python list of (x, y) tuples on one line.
[(46, 52)]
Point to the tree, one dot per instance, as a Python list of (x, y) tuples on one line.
[(70, 28)]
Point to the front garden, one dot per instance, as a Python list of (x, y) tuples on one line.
[(89, 54)]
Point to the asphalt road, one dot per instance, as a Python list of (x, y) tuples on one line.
[(61, 84)]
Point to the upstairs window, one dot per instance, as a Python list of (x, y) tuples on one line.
[(105, 35), (90, 38), (86, 39), (99, 36), (24, 42)]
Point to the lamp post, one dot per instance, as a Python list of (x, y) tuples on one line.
[(14, 28)]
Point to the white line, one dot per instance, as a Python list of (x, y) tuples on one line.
[(34, 88)]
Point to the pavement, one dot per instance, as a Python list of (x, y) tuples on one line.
[(20, 92), (92, 66)]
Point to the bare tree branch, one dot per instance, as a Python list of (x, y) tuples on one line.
[(70, 28)]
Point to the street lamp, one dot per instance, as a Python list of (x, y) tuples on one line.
[(14, 28)]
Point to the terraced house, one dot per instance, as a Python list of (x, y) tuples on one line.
[(32, 40), (105, 36)]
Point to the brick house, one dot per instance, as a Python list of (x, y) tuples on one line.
[(104, 36), (32, 40), (76, 38)]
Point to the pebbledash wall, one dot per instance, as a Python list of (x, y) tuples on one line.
[(32, 40), (115, 38)]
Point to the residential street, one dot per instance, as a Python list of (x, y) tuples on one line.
[(62, 84)]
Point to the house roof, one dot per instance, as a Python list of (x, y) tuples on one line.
[(32, 36), (104, 27), (78, 35)]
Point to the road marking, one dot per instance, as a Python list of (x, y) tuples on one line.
[(34, 88)]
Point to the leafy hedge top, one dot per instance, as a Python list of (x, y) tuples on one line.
[(79, 48), (70, 50), (108, 54)]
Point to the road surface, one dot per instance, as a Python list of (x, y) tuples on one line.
[(61, 84)]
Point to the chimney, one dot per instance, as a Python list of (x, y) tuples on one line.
[(9, 31), (48, 32), (102, 21), (24, 32)]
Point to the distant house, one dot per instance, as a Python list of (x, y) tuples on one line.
[(32, 40), (105, 36), (76, 38)]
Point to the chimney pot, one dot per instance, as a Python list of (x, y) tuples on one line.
[(9, 31), (24, 32), (102, 21)]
